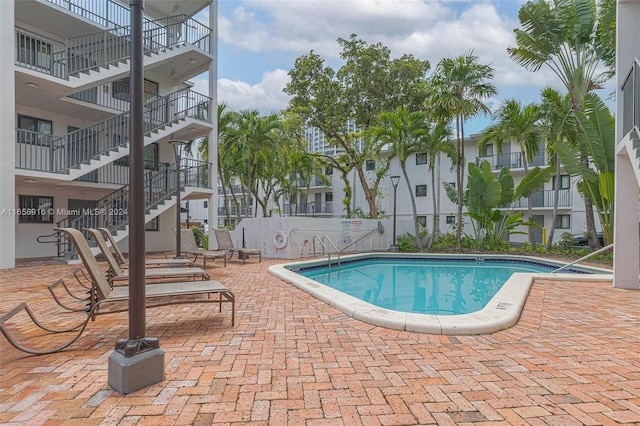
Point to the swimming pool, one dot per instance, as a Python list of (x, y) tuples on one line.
[(441, 294)]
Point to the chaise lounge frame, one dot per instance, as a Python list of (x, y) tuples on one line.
[(101, 294)]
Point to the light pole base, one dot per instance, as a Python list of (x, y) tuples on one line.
[(129, 374), (393, 248)]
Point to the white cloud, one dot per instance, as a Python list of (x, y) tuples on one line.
[(266, 96)]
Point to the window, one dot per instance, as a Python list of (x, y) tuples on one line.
[(452, 184), (451, 220), (152, 225), (487, 151), (371, 165), (120, 89), (35, 209), (563, 221), (206, 204), (422, 221), (421, 158), (328, 170), (421, 190), (565, 182), (328, 197), (34, 130)]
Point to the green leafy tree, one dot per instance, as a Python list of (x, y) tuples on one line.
[(368, 83), (401, 131), (597, 138), (435, 143), (557, 124), (517, 124), (490, 199), (459, 88), (573, 38)]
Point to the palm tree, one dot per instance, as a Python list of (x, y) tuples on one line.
[(459, 86), (401, 131), (434, 143), (515, 123), (558, 127), (567, 37), (252, 144)]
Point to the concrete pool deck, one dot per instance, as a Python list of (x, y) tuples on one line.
[(500, 313), (571, 359)]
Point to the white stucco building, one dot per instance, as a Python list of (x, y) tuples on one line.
[(64, 127), (626, 262), (323, 198)]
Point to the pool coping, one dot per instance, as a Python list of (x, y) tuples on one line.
[(501, 312)]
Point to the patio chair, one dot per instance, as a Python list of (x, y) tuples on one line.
[(189, 247), (226, 243), (122, 261), (116, 273), (102, 294)]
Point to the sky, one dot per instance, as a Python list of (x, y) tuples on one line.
[(259, 41)]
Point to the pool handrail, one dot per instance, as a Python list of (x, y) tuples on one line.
[(582, 258), (324, 246)]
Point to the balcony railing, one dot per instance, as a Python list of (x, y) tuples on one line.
[(313, 182), (545, 199), (511, 160), (308, 209), (233, 189), (58, 154), (98, 50), (631, 98)]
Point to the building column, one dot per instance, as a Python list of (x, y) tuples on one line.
[(7, 138), (626, 252), (212, 211)]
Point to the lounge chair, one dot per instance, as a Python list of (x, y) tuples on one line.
[(101, 294), (122, 261), (189, 247), (116, 273), (226, 243)]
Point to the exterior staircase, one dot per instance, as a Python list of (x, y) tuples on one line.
[(75, 154), (111, 211), (93, 59)]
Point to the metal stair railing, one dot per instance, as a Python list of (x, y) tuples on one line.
[(111, 211), (582, 258), (59, 154), (97, 50)]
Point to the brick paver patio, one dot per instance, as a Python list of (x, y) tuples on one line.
[(573, 359)]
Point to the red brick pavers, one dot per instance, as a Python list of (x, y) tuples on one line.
[(573, 359)]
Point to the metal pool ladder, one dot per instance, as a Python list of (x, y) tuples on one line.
[(379, 229)]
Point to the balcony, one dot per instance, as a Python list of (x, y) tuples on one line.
[(631, 99), (315, 181), (233, 189), (544, 199), (308, 209)]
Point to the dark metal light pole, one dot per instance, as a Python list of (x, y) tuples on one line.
[(178, 146), (138, 361), (394, 181)]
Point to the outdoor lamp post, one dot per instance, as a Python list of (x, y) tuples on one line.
[(394, 181), (178, 146)]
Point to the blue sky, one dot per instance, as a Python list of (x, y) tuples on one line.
[(259, 41)]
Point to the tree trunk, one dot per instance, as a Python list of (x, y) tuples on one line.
[(413, 205), (436, 216), (556, 199), (459, 167)]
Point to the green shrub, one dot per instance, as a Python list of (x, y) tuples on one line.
[(202, 239)]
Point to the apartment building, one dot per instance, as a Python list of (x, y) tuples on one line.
[(322, 196), (626, 262), (64, 127)]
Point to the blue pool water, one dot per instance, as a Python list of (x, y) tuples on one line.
[(426, 286)]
